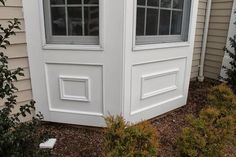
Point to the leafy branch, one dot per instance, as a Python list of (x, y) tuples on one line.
[(16, 138)]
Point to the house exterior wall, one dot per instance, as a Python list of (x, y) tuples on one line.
[(217, 38), (219, 23), (17, 51)]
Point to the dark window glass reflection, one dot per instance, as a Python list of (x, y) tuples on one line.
[(178, 4), (91, 21), (176, 22), (166, 3), (58, 21), (75, 21), (57, 2), (140, 21), (152, 22), (91, 2), (141, 2), (164, 22), (154, 3), (82, 17), (73, 1)]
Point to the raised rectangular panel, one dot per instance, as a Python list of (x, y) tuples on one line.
[(156, 83), (76, 89)]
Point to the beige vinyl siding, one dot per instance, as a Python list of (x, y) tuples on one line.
[(17, 51), (218, 32), (198, 37)]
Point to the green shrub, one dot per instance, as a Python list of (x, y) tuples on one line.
[(223, 98), (126, 140), (17, 139), (207, 135)]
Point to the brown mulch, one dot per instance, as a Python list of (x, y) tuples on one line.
[(78, 141), (170, 125)]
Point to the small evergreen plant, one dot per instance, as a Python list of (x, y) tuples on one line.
[(17, 139), (223, 98), (231, 72), (214, 130), (125, 140), (208, 135)]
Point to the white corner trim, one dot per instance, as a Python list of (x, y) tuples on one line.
[(85, 80), (231, 33)]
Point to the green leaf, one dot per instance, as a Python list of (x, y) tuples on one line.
[(3, 46), (3, 2)]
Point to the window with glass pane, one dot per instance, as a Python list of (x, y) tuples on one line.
[(160, 21), (72, 21)]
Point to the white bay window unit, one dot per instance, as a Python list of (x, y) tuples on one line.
[(93, 58)]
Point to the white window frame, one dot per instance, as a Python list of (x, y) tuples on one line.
[(93, 43), (162, 39)]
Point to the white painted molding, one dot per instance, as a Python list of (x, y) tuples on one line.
[(159, 91), (76, 112), (137, 48), (155, 105), (85, 80)]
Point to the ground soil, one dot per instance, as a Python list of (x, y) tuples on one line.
[(79, 141)]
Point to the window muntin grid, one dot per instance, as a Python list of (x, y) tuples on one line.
[(72, 21), (160, 21)]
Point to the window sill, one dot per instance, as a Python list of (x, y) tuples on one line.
[(160, 46), (73, 47)]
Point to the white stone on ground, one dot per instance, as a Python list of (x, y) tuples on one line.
[(49, 144)]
